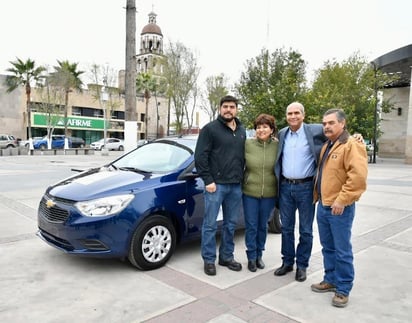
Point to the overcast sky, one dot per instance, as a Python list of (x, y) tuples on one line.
[(223, 34)]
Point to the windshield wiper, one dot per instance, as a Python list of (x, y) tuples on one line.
[(136, 170)]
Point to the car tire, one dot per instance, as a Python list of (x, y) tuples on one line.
[(121, 148), (274, 223), (43, 147), (153, 243)]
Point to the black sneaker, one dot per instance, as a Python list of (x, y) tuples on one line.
[(231, 264), (210, 269)]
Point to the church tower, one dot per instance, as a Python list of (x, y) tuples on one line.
[(149, 61), (151, 48)]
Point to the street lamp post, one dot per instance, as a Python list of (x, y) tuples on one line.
[(375, 116), (104, 99), (157, 119)]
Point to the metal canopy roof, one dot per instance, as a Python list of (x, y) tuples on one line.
[(397, 61)]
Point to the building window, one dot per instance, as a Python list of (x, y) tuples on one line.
[(76, 111)]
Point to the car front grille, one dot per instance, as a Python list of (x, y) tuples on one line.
[(62, 243), (51, 211)]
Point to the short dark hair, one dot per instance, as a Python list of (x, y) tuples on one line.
[(265, 119), (228, 98)]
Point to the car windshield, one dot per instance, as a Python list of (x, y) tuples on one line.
[(157, 157)]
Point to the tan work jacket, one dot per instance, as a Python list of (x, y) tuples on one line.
[(344, 173)]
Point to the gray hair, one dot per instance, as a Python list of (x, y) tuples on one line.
[(340, 114), (297, 105)]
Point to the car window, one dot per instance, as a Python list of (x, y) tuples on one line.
[(155, 158)]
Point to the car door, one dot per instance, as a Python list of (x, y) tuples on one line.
[(112, 143), (3, 141), (195, 205), (58, 142)]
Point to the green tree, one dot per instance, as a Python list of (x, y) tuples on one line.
[(271, 81), (66, 76), (103, 76), (181, 73), (146, 84), (351, 85), (51, 104), (24, 73), (216, 88)]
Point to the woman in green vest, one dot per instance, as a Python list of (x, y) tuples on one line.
[(259, 187)]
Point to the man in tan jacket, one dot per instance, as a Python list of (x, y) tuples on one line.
[(340, 181)]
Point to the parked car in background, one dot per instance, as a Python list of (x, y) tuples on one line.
[(142, 142), (57, 142), (111, 144), (26, 143), (77, 142), (140, 206), (8, 141)]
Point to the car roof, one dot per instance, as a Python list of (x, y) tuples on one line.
[(185, 140)]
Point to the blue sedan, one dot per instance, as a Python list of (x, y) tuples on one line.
[(137, 207)]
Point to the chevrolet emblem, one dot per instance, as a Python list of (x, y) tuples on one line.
[(50, 204)]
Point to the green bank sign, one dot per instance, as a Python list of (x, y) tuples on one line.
[(72, 122)]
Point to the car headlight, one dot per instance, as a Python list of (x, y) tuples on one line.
[(104, 206)]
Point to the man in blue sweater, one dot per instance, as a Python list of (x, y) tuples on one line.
[(219, 159)]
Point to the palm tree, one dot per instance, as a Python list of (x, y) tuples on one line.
[(24, 73), (67, 77), (145, 84)]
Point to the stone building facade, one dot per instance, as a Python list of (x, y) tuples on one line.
[(396, 126)]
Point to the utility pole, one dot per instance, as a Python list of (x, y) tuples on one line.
[(375, 116), (104, 98), (130, 126)]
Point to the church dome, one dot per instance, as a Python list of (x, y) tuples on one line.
[(152, 27)]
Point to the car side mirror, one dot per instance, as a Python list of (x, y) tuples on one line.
[(186, 175)]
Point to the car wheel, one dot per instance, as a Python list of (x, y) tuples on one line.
[(274, 223), (153, 243), (101, 147), (42, 147), (81, 146), (121, 148)]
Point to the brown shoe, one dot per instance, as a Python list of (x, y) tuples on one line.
[(323, 287), (340, 300)]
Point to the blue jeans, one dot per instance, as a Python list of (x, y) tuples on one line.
[(335, 237), (229, 196), (294, 197), (256, 212)]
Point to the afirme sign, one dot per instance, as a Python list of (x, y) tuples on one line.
[(43, 120)]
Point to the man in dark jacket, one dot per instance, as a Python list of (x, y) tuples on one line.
[(219, 159)]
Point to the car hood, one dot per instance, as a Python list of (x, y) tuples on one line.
[(100, 183)]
